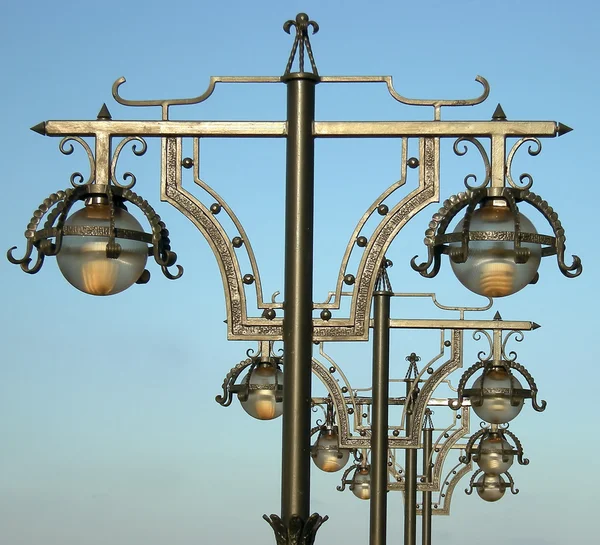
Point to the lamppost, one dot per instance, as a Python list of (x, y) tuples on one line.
[(102, 249)]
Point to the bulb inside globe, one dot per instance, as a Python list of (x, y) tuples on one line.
[(491, 487), (264, 387), (327, 455), (493, 396), (361, 483), (82, 257), (491, 268), (495, 455)]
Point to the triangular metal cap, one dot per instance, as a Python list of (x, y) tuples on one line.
[(535, 325), (499, 114), (40, 128), (497, 316), (104, 113), (562, 129)]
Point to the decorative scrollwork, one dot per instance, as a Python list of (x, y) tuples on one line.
[(539, 407), (518, 447), (570, 271), (115, 159), (484, 157), (525, 178), (297, 531), (466, 458), (438, 224), (512, 355), (77, 178), (345, 480), (302, 39), (482, 355), (227, 397), (161, 244), (44, 247)]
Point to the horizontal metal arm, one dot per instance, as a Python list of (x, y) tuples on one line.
[(321, 129), (462, 324)]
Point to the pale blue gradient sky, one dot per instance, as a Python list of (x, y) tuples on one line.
[(110, 432)]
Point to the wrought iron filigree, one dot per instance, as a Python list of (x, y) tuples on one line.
[(58, 205), (77, 178), (526, 179), (438, 241), (484, 156), (138, 152), (503, 485), (302, 40)]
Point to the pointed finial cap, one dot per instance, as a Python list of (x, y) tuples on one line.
[(497, 316), (104, 114), (40, 128), (562, 129), (535, 325), (499, 114)]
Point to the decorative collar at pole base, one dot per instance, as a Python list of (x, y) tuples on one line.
[(297, 532)]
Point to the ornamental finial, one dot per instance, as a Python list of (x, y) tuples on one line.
[(301, 23)]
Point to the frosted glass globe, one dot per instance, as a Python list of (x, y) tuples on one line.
[(490, 268), (495, 455), (495, 405), (82, 258), (491, 487), (361, 483), (327, 455), (262, 396)]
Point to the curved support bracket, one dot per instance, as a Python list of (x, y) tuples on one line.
[(518, 447), (345, 480), (539, 407), (470, 444), (227, 397), (575, 268)]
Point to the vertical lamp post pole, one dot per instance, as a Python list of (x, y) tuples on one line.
[(298, 303), (427, 474), (379, 426), (410, 465)]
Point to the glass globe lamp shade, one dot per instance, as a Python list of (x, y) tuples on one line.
[(491, 487), (327, 455), (493, 404), (495, 455), (82, 258), (361, 483), (490, 268), (264, 387)]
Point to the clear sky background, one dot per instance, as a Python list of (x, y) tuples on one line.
[(110, 433)]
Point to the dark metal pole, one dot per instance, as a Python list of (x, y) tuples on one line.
[(298, 304), (410, 477), (379, 425), (427, 473)]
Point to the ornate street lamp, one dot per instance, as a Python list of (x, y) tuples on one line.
[(101, 249), (260, 392), (495, 250), (494, 455), (326, 452), (497, 396)]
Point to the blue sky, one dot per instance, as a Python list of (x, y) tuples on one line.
[(109, 425)]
